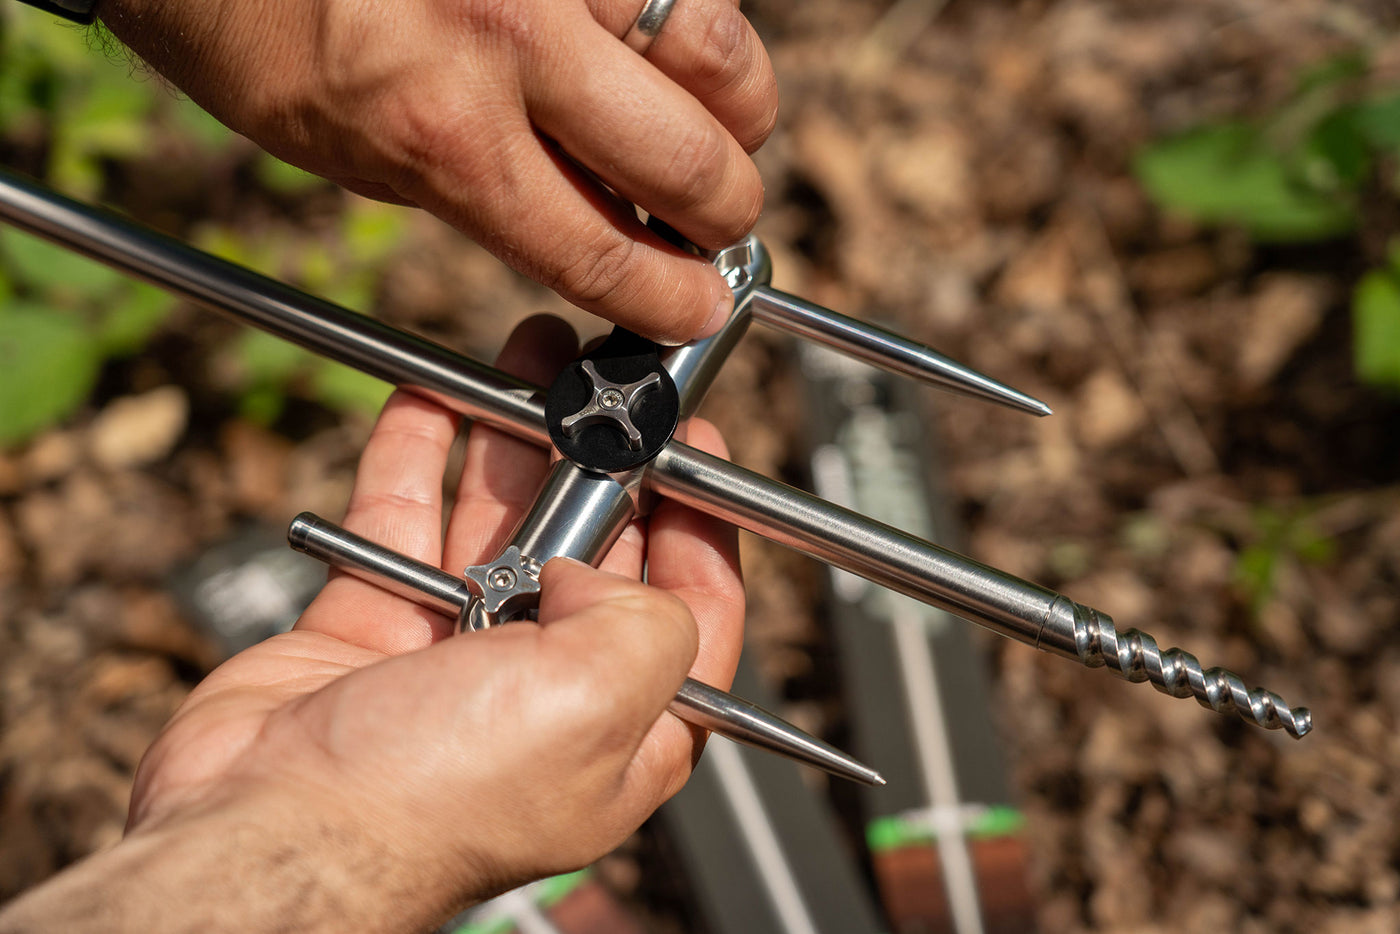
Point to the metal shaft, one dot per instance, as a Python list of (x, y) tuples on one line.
[(1018, 609), (458, 382), (876, 346), (1007, 605), (697, 703)]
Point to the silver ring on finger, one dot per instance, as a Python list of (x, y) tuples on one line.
[(648, 23)]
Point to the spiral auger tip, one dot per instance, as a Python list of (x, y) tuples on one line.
[(1135, 656)]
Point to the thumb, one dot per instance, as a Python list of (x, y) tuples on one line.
[(641, 638)]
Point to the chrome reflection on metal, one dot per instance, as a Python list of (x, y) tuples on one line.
[(647, 25), (1003, 603), (885, 349), (697, 703)]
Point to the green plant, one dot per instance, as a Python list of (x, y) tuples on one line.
[(1281, 538), (61, 316), (344, 269), (1302, 173)]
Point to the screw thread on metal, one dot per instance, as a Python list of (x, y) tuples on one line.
[(1135, 656)]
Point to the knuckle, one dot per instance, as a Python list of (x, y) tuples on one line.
[(697, 165), (596, 272), (499, 19), (765, 120), (724, 57)]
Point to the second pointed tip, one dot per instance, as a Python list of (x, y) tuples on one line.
[(1039, 409)]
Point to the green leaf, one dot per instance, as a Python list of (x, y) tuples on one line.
[(52, 269), (48, 366), (1254, 572), (1336, 155), (1378, 120), (262, 405), (1375, 312), (268, 360), (284, 178), (1228, 175), (344, 389), (372, 230), (129, 322)]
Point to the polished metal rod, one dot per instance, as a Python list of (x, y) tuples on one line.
[(1003, 603), (697, 703), (876, 346), (387, 569), (457, 382)]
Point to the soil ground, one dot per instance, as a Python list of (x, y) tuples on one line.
[(963, 174)]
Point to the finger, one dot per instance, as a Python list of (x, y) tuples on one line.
[(501, 474), (643, 135), (626, 633), (550, 221), (397, 502), (709, 48), (696, 557)]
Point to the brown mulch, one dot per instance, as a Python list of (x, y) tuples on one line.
[(965, 178)]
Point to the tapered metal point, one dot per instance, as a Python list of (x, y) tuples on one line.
[(748, 723), (876, 346)]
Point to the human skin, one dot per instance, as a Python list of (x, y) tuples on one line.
[(526, 124), (371, 770)]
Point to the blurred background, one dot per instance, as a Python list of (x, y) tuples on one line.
[(1178, 224)]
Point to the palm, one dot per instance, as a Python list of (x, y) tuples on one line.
[(369, 691)]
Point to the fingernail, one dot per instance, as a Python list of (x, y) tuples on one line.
[(565, 559), (723, 309)]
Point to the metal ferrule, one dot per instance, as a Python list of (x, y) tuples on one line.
[(576, 514), (745, 266)]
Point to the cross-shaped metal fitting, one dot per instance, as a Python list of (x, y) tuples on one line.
[(501, 589), (611, 404)]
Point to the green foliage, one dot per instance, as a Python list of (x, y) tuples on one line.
[(1300, 174), (1230, 174), (346, 272), (47, 368), (1284, 538), (1375, 311), (61, 316)]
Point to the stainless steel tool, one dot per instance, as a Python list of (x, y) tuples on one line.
[(700, 704), (583, 508)]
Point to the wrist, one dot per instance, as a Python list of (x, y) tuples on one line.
[(254, 862)]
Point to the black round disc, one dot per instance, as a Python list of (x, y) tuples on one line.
[(622, 358)]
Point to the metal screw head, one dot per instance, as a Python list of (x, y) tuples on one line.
[(611, 398), (501, 579)]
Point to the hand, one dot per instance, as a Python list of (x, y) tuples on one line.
[(370, 765), (483, 111)]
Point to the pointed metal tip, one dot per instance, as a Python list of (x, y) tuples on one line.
[(879, 779), (883, 348), (953, 376)]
